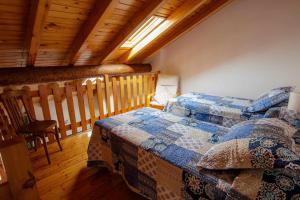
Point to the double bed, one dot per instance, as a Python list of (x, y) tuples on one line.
[(157, 153)]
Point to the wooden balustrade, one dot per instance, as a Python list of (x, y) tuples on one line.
[(84, 102)]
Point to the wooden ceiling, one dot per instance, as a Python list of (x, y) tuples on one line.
[(89, 32)]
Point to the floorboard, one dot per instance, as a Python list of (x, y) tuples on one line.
[(68, 177)]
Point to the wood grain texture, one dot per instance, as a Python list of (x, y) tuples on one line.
[(70, 104), (181, 27), (90, 97), (8, 76), (137, 20), (47, 33), (102, 9), (36, 19), (17, 175), (187, 8), (81, 105), (68, 177)]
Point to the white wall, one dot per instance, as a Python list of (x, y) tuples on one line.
[(244, 49)]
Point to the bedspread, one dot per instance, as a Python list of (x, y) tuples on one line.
[(157, 152), (225, 111)]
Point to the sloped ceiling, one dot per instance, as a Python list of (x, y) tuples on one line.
[(88, 32)]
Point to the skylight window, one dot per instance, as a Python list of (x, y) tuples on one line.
[(150, 25)]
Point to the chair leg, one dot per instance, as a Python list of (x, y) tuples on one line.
[(57, 138), (35, 143), (46, 149)]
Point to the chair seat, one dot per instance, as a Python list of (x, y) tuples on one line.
[(39, 126)]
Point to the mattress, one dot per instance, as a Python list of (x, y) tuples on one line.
[(225, 111), (156, 153)]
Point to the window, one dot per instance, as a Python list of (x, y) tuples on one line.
[(150, 25)]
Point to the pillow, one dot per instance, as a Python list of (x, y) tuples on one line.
[(266, 127), (249, 153), (269, 99)]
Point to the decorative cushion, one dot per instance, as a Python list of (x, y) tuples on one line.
[(249, 153), (269, 99), (266, 127)]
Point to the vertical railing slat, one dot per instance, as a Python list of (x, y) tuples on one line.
[(115, 95), (122, 94), (100, 98), (140, 90), (128, 82), (80, 94), (43, 93), (57, 95), (107, 94), (146, 90), (134, 91), (70, 104), (90, 95)]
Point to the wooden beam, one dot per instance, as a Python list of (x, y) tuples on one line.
[(130, 28), (36, 19), (188, 9), (26, 75), (102, 10)]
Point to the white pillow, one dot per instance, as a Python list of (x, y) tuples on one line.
[(167, 86)]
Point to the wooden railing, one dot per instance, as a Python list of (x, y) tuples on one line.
[(84, 102)]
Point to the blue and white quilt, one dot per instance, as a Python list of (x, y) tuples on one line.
[(157, 154), (225, 111)]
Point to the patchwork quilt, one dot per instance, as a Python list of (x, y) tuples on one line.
[(157, 154), (225, 111)]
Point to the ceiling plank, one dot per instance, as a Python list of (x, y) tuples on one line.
[(130, 28), (36, 19), (205, 8), (102, 10)]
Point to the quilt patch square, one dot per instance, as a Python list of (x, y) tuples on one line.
[(108, 123), (147, 163), (156, 144), (153, 126), (179, 156), (178, 128), (147, 185), (164, 193), (169, 176), (135, 135)]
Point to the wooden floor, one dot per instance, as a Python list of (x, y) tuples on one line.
[(69, 178)]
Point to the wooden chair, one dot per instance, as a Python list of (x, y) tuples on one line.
[(24, 123)]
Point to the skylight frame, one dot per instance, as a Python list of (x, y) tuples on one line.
[(147, 28)]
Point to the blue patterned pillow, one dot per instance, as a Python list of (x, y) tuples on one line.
[(249, 153), (269, 99), (266, 127)]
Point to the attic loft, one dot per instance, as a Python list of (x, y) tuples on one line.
[(149, 99)]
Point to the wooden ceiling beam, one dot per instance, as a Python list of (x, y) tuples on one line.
[(62, 73), (130, 28), (37, 16), (204, 8), (102, 10)]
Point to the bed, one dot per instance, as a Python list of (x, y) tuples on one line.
[(157, 153), (225, 111)]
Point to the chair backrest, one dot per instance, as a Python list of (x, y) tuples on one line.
[(6, 130), (11, 100)]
